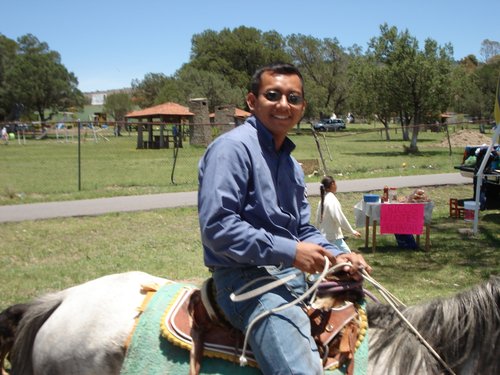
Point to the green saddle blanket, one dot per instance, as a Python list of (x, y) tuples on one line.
[(149, 353)]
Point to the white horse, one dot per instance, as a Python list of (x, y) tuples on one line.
[(82, 331)]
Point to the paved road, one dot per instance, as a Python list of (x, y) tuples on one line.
[(92, 207)]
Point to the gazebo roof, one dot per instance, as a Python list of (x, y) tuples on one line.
[(237, 113), (165, 109), (241, 113)]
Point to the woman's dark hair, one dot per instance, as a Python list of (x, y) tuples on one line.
[(279, 68), (326, 183)]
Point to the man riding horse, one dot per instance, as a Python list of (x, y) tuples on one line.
[(254, 221)]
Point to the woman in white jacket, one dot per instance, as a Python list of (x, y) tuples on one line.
[(329, 217)]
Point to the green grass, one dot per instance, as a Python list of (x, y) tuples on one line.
[(455, 260), (47, 170), (47, 255)]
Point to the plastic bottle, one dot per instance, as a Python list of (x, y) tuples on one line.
[(393, 195), (385, 196)]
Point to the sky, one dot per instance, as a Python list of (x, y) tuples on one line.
[(109, 43)]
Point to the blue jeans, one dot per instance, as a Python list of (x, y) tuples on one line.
[(281, 342)]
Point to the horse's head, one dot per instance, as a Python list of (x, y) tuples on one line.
[(336, 290)]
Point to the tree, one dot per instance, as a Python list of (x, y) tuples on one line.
[(220, 68), (371, 91), (236, 54), (473, 86), (487, 78), (188, 82), (8, 49), (146, 91), (418, 80), (489, 49), (465, 95), (211, 85), (37, 81), (118, 105), (324, 63), (173, 90)]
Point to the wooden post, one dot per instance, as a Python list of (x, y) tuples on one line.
[(140, 143), (150, 133), (367, 231), (162, 141), (427, 237)]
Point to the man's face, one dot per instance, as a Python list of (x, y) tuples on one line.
[(279, 105)]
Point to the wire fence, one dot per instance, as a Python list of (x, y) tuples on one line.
[(172, 163), (166, 159)]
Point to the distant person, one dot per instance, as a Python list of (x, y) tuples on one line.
[(350, 118), (175, 133), (5, 136), (329, 217)]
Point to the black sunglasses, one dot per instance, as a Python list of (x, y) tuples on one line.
[(275, 96)]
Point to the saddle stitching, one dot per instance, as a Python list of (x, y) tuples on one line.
[(176, 324), (176, 331)]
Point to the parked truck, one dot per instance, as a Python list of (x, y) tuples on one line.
[(490, 187)]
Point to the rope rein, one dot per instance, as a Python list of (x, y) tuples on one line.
[(274, 284), (395, 303), (392, 300)]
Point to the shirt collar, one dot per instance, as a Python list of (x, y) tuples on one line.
[(266, 137)]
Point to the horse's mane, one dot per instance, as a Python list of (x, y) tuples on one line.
[(464, 330), (37, 313), (9, 320)]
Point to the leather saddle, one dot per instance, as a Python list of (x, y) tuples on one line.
[(194, 322)]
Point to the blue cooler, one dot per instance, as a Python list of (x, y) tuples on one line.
[(371, 198)]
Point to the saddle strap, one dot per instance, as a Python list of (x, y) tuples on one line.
[(335, 332), (325, 325)]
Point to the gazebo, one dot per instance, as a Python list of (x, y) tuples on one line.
[(241, 114), (162, 113), (229, 113)]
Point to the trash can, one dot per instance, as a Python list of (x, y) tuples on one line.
[(469, 210)]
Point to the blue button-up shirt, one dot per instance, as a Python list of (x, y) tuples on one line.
[(252, 200)]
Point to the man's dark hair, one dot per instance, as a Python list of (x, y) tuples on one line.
[(278, 68)]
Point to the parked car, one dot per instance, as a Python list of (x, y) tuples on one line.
[(329, 124)]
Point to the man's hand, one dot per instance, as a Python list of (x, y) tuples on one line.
[(310, 257), (357, 263)]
